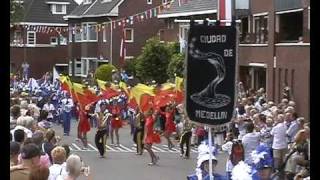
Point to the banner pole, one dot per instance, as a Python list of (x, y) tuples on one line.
[(210, 150)]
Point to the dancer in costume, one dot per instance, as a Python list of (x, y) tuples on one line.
[(100, 137), (84, 125), (139, 132), (185, 137), (116, 122), (170, 126), (150, 136)]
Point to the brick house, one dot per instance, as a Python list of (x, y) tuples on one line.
[(274, 43), (98, 29), (40, 39)]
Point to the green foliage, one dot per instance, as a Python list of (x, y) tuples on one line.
[(129, 67), (16, 11), (153, 62), (104, 72), (176, 66)]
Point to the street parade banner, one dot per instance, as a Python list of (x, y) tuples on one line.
[(211, 66)]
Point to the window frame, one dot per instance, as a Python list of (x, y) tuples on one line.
[(63, 9), (254, 25), (34, 38), (54, 43), (132, 35), (104, 33), (164, 1), (61, 38), (86, 29), (77, 35), (149, 2)]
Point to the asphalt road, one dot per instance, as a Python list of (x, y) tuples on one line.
[(121, 163)]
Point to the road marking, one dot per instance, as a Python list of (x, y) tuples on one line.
[(110, 148), (120, 149), (166, 146), (158, 149), (93, 147), (76, 146), (126, 148)]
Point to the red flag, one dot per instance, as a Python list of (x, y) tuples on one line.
[(225, 10), (109, 93), (122, 47)]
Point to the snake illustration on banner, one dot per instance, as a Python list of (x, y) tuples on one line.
[(208, 97)]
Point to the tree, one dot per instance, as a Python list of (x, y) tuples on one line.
[(16, 11), (104, 72), (153, 62), (129, 67), (176, 66)]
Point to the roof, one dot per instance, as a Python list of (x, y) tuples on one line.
[(191, 7), (39, 11), (96, 8)]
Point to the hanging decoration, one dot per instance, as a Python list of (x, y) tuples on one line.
[(129, 20)]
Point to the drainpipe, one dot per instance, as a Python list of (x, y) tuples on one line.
[(274, 54)]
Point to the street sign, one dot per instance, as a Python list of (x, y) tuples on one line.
[(211, 71)]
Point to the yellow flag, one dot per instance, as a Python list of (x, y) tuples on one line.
[(78, 88), (179, 83), (167, 86), (101, 84), (140, 89), (123, 86)]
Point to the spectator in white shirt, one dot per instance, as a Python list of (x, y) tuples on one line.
[(23, 122), (50, 109), (67, 105), (58, 168), (250, 141), (279, 145)]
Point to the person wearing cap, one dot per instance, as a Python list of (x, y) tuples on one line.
[(102, 120), (202, 170), (30, 154)]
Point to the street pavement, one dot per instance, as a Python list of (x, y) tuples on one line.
[(121, 163)]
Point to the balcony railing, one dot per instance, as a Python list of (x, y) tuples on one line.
[(254, 38), (282, 5)]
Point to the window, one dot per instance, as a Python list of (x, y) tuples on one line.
[(170, 24), (84, 32), (31, 38), (77, 67), (129, 35), (244, 30), (53, 40), (63, 40), (104, 33), (161, 35), (260, 29), (59, 9), (78, 33), (149, 1), (290, 32), (89, 32), (17, 37), (84, 69), (92, 32), (70, 34)]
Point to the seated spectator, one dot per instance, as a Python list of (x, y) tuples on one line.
[(58, 168), (39, 173), (43, 122), (30, 155)]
